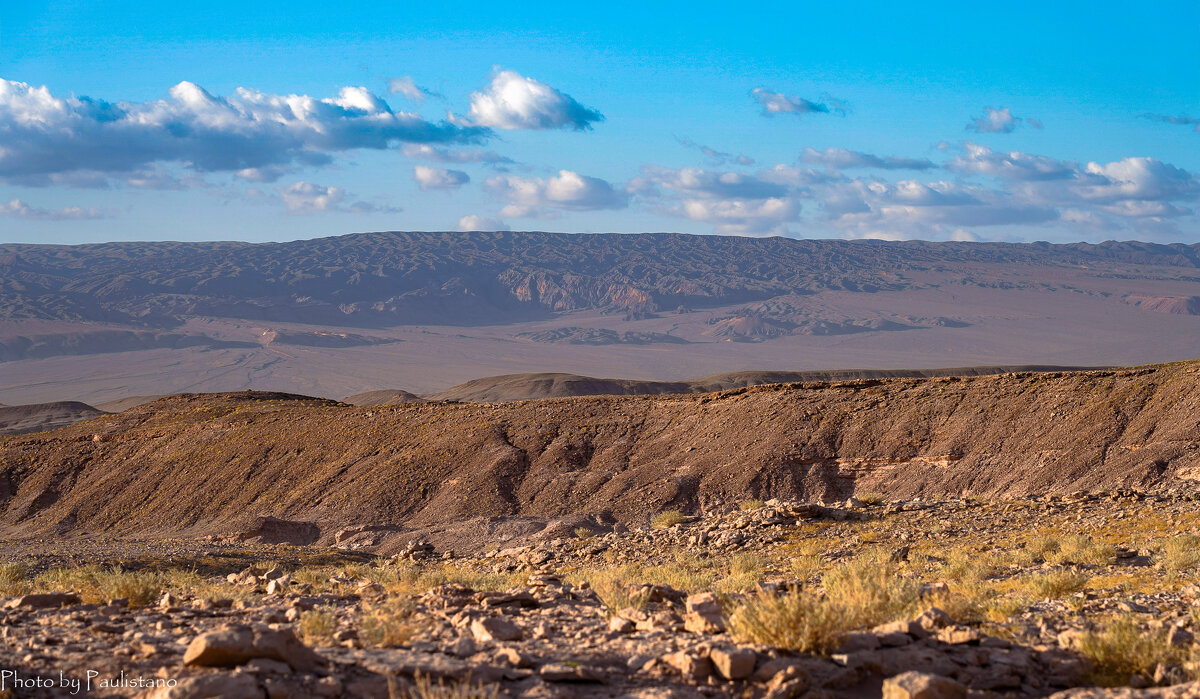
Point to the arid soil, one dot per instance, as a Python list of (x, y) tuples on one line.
[(211, 463), (1048, 596)]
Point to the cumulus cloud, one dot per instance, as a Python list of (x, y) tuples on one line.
[(981, 160), (17, 208), (999, 121), (1138, 180), (741, 216), (474, 222), (406, 86), (439, 178), (910, 208), (267, 173), (309, 198), (842, 159), (778, 103), (513, 101), (732, 202), (532, 196), (709, 184), (424, 151), (45, 134)]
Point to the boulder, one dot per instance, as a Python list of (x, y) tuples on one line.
[(223, 686), (490, 629), (47, 600), (271, 530), (922, 685), (733, 663), (236, 645)]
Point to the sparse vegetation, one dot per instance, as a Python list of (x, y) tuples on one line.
[(14, 578), (317, 626), (871, 499), (750, 505), (387, 624), (98, 585), (1181, 553), (871, 592), (798, 621), (1122, 649), (424, 688), (667, 519), (1055, 584)]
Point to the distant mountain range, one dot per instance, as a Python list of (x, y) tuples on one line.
[(387, 279), (418, 313)]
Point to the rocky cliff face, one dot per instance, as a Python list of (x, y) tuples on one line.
[(205, 462)]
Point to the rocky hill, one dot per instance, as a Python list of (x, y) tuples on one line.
[(533, 386), (207, 463), (19, 419)]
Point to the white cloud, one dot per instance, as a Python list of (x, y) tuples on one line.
[(1139, 179), (406, 86), (842, 159), (474, 222), (981, 160), (44, 134), (744, 216), (999, 121), (711, 184), (530, 196), (778, 103), (513, 101), (267, 173), (424, 151), (439, 178), (308, 198), (911, 208), (732, 202), (19, 209)]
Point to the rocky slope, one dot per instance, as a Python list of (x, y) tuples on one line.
[(205, 463), (532, 386), (984, 599)]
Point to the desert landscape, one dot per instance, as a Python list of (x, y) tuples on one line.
[(179, 519), (401, 350), (955, 534)]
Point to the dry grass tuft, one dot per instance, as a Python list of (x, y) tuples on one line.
[(872, 591), (424, 688), (1080, 549), (871, 499), (317, 626), (14, 579), (1181, 553), (667, 519), (1122, 650), (97, 585), (751, 505), (798, 621), (1055, 584), (387, 624)]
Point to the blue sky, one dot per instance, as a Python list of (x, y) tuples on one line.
[(1028, 121)]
